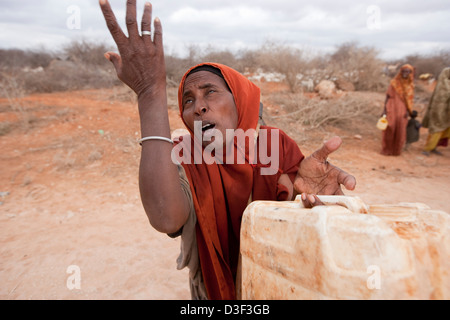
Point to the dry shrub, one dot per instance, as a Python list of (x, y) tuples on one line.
[(316, 113), (283, 59), (87, 53), (433, 63), (355, 113), (79, 65), (122, 93), (224, 57), (12, 88), (175, 69), (63, 75), (13, 59), (360, 66)]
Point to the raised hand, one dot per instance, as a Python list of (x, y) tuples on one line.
[(140, 64), (317, 176)]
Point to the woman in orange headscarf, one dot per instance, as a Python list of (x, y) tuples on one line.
[(201, 200), (398, 105), (229, 186), (221, 99)]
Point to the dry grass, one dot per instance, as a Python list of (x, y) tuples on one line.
[(315, 112), (303, 118), (11, 87), (81, 65)]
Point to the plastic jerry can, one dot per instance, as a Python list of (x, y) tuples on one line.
[(382, 123), (344, 250)]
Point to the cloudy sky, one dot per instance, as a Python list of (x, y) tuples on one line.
[(397, 28)]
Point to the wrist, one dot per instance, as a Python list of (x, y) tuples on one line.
[(153, 114), (152, 92), (152, 99)]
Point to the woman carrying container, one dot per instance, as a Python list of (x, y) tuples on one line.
[(200, 190), (398, 105)]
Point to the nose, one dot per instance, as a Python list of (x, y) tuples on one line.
[(201, 107)]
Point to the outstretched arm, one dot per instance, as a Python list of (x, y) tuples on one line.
[(317, 176), (140, 65)]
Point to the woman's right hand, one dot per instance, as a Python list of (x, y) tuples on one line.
[(140, 64)]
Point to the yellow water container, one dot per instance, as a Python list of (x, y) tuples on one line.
[(344, 250), (382, 123)]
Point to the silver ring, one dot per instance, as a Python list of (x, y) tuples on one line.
[(146, 33)]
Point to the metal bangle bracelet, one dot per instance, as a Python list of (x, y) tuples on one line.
[(155, 138)]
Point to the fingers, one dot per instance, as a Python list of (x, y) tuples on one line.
[(130, 19), (157, 34), (146, 26), (146, 23), (328, 147), (111, 22), (347, 180), (116, 61), (147, 17), (310, 200), (131, 22)]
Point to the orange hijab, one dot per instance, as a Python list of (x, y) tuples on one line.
[(405, 87), (221, 191)]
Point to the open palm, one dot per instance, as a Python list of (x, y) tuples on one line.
[(317, 176)]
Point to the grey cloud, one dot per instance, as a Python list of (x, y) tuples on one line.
[(235, 23)]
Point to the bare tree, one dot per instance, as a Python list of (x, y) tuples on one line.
[(358, 65), (283, 59)]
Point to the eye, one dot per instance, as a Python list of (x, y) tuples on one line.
[(187, 101)]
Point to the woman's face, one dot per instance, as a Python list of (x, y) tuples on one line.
[(405, 73), (206, 98)]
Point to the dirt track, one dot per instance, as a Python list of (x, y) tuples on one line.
[(70, 197)]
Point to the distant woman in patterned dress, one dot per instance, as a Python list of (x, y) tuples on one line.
[(397, 107), (437, 117)]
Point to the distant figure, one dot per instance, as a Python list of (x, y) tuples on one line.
[(412, 130), (437, 117), (397, 107)]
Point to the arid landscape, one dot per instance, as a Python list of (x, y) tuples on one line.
[(70, 204)]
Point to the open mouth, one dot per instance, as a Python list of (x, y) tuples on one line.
[(208, 131), (208, 126)]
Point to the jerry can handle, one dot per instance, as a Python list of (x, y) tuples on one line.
[(354, 204)]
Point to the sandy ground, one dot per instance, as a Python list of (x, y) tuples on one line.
[(72, 224)]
